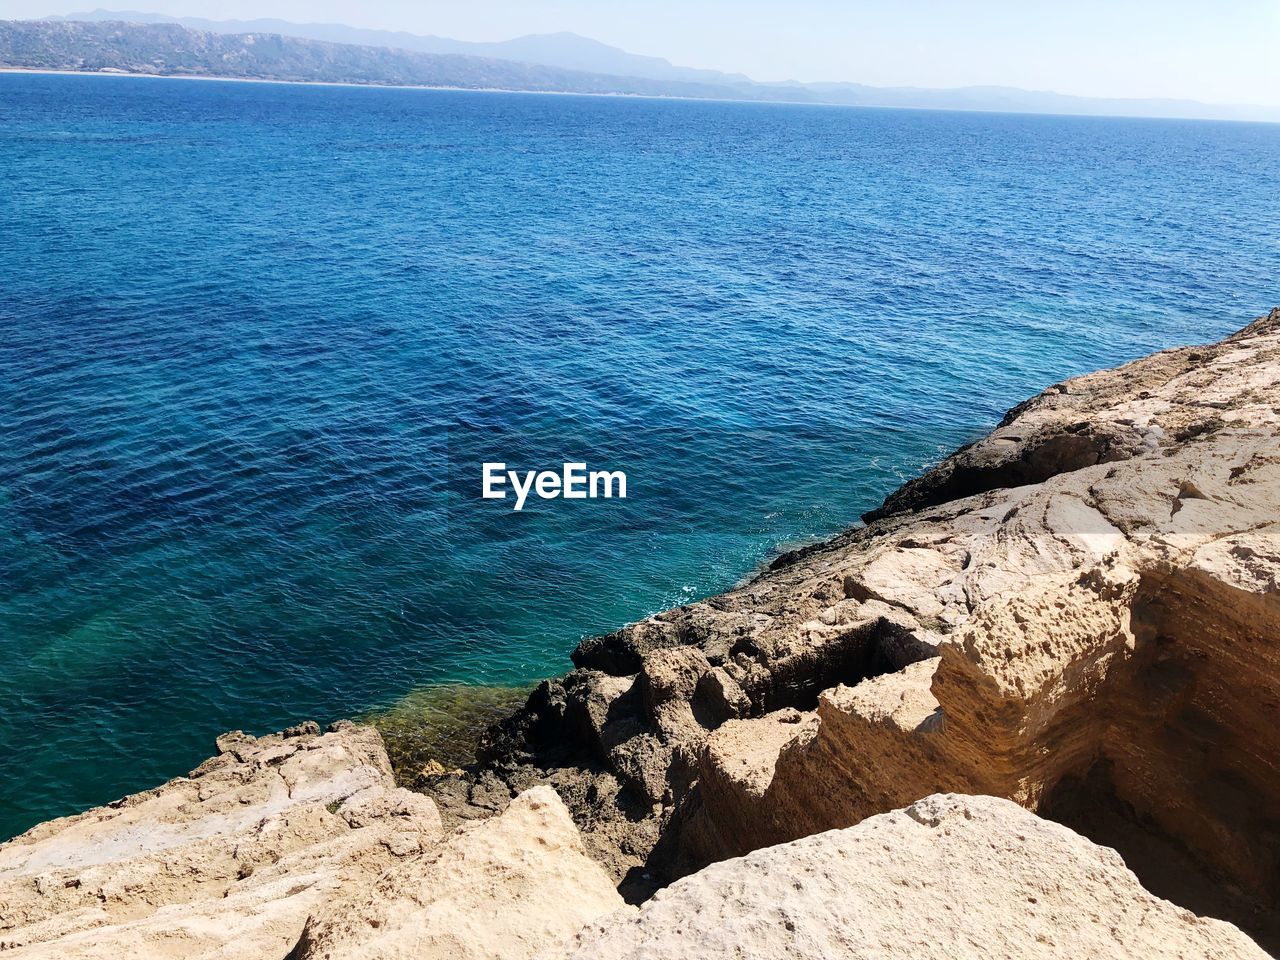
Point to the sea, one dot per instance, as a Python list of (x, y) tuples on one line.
[(257, 341)]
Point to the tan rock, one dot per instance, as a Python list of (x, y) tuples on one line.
[(225, 863), (1078, 612), (502, 888), (951, 877)]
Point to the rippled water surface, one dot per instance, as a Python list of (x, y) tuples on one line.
[(253, 339)]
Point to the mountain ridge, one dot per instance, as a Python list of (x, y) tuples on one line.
[(523, 66), (562, 49)]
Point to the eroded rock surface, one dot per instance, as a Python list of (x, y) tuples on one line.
[(298, 845), (505, 888), (949, 878), (1093, 631), (226, 863)]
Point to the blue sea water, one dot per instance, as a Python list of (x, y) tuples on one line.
[(255, 338)]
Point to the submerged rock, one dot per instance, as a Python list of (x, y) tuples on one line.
[(434, 730)]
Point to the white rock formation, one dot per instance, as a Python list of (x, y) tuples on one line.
[(500, 888), (949, 878), (1079, 612), (230, 863), (226, 863)]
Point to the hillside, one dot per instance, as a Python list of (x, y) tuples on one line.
[(147, 43), (565, 50), (167, 49)]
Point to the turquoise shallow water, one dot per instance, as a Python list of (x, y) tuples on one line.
[(255, 338)]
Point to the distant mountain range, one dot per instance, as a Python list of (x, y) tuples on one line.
[(148, 43), (169, 49), (567, 51)]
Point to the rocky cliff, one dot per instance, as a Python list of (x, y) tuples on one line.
[(1063, 639), (1078, 612)]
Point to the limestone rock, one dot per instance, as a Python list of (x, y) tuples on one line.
[(951, 877), (1091, 630), (502, 888), (1156, 403), (225, 863)]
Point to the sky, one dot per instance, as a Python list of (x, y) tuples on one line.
[(1218, 51)]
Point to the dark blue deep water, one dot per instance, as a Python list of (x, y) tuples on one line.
[(254, 338)]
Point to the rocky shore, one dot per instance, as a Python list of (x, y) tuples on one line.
[(1030, 709)]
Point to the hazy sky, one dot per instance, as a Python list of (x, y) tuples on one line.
[(1213, 50)]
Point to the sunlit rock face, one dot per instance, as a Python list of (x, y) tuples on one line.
[(227, 862), (1090, 631), (948, 877)]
